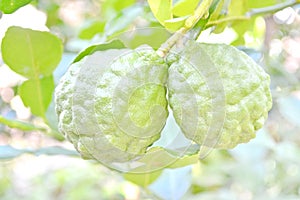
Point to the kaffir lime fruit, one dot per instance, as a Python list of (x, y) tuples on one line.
[(218, 94), (107, 104)]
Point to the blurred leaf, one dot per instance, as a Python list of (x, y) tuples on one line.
[(161, 9), (110, 7), (8, 152), (53, 133), (19, 124), (155, 158), (218, 6), (115, 44), (53, 16), (213, 9), (161, 161), (195, 189), (158, 158), (52, 122), (122, 20), (9, 6), (144, 179), (260, 4), (153, 37), (90, 31), (241, 27), (117, 4), (55, 150), (175, 23), (185, 7), (31, 53), (5, 182), (185, 161), (37, 94), (238, 8), (218, 10), (52, 119), (220, 28)]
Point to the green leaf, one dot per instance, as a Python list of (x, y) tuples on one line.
[(31, 53), (111, 7), (56, 135), (241, 27), (161, 9), (260, 4), (8, 152), (158, 157), (185, 7), (143, 180), (90, 31), (120, 22), (115, 44), (218, 7), (118, 4), (9, 6), (19, 124), (153, 37), (214, 12), (175, 24), (185, 161), (217, 14), (37, 94), (238, 8), (52, 11), (55, 150)]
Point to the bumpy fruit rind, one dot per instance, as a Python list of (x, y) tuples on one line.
[(231, 92), (104, 101)]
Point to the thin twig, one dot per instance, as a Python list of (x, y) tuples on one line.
[(189, 24), (254, 12), (227, 19), (272, 9)]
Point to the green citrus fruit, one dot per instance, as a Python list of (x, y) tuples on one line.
[(218, 94), (113, 105)]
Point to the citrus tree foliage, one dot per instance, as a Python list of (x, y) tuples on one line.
[(136, 66)]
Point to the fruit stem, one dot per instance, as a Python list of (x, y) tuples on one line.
[(189, 24)]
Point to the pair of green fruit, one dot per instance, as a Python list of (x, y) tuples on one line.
[(113, 104)]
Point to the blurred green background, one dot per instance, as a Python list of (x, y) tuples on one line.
[(37, 163)]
